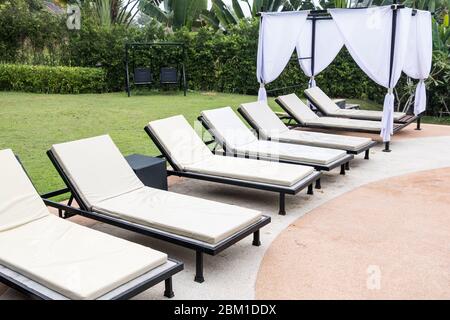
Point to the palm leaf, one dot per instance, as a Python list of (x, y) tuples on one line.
[(238, 9)]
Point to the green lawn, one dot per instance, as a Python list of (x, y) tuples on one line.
[(31, 123)]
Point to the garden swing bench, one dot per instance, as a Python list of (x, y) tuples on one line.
[(143, 75)]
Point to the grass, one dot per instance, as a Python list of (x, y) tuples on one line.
[(31, 123)]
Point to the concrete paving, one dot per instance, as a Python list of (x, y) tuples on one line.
[(233, 273), (388, 239)]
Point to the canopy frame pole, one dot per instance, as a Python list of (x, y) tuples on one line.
[(260, 23), (313, 45), (127, 73), (395, 7)]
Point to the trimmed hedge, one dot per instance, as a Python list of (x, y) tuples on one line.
[(45, 79)]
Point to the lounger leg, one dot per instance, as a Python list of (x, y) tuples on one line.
[(256, 239), (347, 166), (318, 184), (343, 169), (310, 189), (169, 290), (282, 204), (70, 200), (386, 147), (366, 156), (199, 267), (418, 124)]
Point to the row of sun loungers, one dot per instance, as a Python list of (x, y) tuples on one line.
[(367, 121), (52, 258)]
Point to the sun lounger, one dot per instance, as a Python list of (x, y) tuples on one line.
[(238, 140), (269, 126), (189, 157), (50, 258), (330, 109), (107, 189), (305, 117)]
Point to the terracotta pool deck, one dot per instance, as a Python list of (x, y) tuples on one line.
[(380, 232)]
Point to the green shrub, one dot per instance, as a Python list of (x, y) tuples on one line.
[(29, 34), (45, 79), (216, 61)]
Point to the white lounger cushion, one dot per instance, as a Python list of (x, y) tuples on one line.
[(171, 212), (75, 261), (266, 121), (190, 155), (271, 127), (115, 177), (179, 139), (302, 113), (78, 262), (320, 99), (224, 120), (199, 219), (344, 123), (227, 127), (296, 107), (251, 169), (367, 114), (291, 152), (325, 140), (19, 201)]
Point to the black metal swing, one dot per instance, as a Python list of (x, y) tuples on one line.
[(144, 75)]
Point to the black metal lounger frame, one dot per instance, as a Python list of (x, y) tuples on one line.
[(397, 126), (365, 149), (282, 190), (199, 247), (165, 276), (343, 163), (407, 118)]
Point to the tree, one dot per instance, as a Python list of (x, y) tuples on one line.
[(112, 12), (223, 16), (174, 14)]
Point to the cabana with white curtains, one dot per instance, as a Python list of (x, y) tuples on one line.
[(383, 41)]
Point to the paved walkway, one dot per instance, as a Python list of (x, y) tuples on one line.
[(343, 228)]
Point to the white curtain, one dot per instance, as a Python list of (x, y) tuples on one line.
[(328, 43), (367, 36), (278, 36), (419, 56)]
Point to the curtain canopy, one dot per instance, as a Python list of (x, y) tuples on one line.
[(278, 36), (367, 35), (325, 50), (420, 52)]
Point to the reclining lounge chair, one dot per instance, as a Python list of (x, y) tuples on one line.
[(305, 117), (270, 127), (107, 189), (189, 157), (239, 141), (330, 109), (49, 258)]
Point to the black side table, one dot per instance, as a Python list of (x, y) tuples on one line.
[(151, 171)]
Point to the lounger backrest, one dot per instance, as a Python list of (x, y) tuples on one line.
[(227, 127), (19, 201), (300, 111), (96, 168), (180, 141), (321, 100), (265, 120)]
